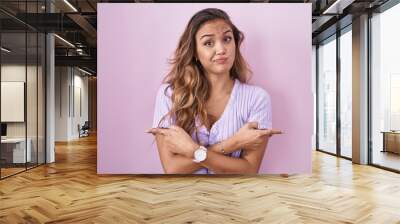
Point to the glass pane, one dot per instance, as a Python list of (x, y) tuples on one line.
[(327, 96), (13, 86), (31, 101), (41, 98), (22, 88), (386, 89), (31, 84), (346, 94)]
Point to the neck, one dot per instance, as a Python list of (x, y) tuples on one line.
[(220, 83)]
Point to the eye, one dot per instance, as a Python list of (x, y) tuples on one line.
[(208, 43), (228, 39)]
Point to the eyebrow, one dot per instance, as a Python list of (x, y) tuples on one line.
[(206, 35)]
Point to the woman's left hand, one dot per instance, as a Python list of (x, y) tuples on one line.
[(176, 140)]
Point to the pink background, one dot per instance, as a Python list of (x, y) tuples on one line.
[(134, 42)]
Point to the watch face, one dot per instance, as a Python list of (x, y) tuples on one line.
[(200, 155)]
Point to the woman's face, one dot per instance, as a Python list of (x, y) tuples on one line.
[(215, 47)]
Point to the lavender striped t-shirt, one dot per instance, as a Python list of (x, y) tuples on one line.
[(247, 103)]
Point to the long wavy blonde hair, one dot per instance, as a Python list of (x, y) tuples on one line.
[(190, 87)]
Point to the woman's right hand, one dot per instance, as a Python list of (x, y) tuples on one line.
[(250, 137)]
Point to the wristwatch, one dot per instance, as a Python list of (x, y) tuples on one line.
[(200, 154)]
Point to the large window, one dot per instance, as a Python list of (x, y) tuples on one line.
[(327, 95), (334, 60), (346, 92), (385, 88)]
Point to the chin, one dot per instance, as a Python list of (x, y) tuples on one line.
[(223, 70)]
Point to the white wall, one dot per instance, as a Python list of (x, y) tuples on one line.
[(71, 93), (80, 102), (62, 81)]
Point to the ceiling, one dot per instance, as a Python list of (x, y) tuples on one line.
[(76, 22)]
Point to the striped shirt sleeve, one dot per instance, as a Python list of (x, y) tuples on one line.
[(261, 111), (162, 107)]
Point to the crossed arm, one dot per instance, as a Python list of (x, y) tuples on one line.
[(176, 150), (216, 161)]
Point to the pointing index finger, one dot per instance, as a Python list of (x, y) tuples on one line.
[(269, 132), (155, 131)]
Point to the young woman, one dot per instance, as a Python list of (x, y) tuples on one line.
[(207, 119)]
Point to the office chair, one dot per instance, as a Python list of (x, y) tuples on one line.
[(84, 130)]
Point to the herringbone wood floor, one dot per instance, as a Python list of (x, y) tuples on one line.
[(70, 191)]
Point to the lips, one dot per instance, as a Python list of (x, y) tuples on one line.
[(221, 60)]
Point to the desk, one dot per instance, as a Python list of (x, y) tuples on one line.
[(15, 148), (391, 141)]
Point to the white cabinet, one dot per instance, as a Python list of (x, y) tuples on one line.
[(17, 146)]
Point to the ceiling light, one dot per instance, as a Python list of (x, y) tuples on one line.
[(64, 40), (331, 7), (338, 6), (70, 5), (5, 50), (84, 71)]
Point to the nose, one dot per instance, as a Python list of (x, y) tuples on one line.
[(220, 49)]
